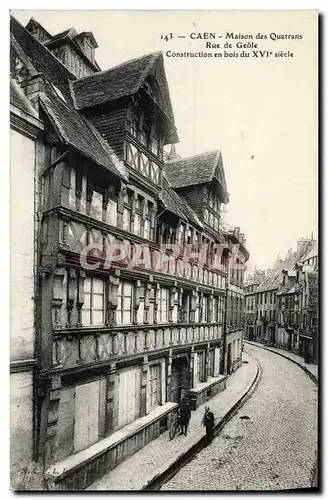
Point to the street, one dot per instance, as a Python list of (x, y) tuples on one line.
[(274, 448)]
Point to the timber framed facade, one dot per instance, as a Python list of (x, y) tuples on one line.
[(117, 346)]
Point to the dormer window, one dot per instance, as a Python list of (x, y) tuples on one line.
[(88, 49)]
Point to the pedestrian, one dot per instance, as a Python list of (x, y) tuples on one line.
[(185, 414), (208, 422)]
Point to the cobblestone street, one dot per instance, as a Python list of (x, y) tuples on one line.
[(273, 449)]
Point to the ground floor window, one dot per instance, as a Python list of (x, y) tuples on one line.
[(211, 363), (154, 386), (128, 391), (89, 414), (200, 367)]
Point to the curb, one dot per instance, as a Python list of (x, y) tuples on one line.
[(307, 371), (162, 477)]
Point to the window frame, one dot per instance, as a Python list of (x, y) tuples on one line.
[(92, 294), (121, 306)]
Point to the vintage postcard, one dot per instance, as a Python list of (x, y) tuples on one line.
[(164, 250)]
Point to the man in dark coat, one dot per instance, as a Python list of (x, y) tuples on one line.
[(185, 414), (208, 422)]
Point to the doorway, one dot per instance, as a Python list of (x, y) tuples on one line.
[(179, 378)]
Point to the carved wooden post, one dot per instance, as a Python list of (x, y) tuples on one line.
[(156, 303), (207, 362), (169, 377), (180, 310), (136, 300), (114, 280), (143, 396), (105, 204), (148, 289), (120, 205), (57, 297), (89, 196), (111, 416), (210, 309), (193, 305), (173, 290), (80, 297), (71, 295), (153, 223), (200, 296)]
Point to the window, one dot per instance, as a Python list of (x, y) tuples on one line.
[(154, 386), (137, 224), (147, 229), (111, 212), (215, 310), (93, 310), (127, 211), (163, 305), (126, 219), (200, 366), (124, 303), (89, 413), (132, 123), (205, 309), (181, 234), (96, 208), (211, 361)]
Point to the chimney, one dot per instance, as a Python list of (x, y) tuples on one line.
[(303, 246), (173, 156)]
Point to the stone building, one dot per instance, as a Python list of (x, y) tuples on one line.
[(251, 283), (25, 140), (297, 306), (234, 324), (282, 309), (129, 309)]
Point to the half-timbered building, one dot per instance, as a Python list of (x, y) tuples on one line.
[(126, 322)]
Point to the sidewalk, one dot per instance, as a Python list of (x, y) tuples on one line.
[(159, 455), (311, 369)]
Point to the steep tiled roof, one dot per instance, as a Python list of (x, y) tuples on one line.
[(18, 99), (274, 278), (72, 127), (197, 169), (114, 83), (79, 133), (193, 170), (172, 202), (62, 34), (311, 252)]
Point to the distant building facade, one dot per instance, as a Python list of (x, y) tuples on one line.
[(282, 307), (113, 348)]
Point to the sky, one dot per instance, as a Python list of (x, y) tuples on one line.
[(260, 112)]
